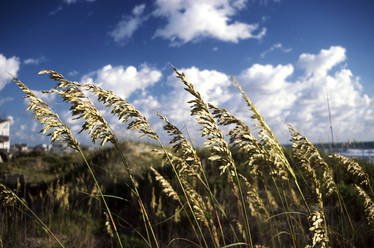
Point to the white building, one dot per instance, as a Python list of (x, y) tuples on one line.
[(4, 135)]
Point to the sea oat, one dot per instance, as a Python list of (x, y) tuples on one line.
[(368, 205), (240, 137), (319, 238), (108, 226), (305, 156), (304, 149), (254, 199), (59, 132), (123, 110), (83, 108), (353, 168), (216, 143), (166, 186), (192, 164), (209, 128), (7, 197)]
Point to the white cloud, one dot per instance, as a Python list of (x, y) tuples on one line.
[(269, 87), (124, 81), (320, 64), (11, 66), (279, 96), (274, 47), (303, 102), (129, 24), (189, 20), (212, 86)]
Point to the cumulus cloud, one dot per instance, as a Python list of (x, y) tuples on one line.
[(189, 20), (268, 86), (128, 24), (275, 47), (10, 65), (281, 97), (303, 101), (320, 64), (211, 84), (124, 80)]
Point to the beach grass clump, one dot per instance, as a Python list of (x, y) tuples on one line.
[(243, 190)]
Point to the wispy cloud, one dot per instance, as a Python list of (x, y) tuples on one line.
[(67, 2), (73, 73), (33, 61), (55, 11), (75, 1), (189, 20), (276, 46), (127, 26), (6, 99)]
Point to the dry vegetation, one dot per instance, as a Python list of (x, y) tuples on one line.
[(243, 191)]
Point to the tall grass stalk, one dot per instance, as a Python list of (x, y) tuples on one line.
[(256, 177), (217, 144), (274, 143), (126, 112), (5, 192), (60, 133)]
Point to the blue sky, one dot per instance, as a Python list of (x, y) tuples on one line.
[(287, 55)]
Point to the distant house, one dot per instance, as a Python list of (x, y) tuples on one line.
[(61, 148), (4, 136), (19, 148), (42, 148)]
